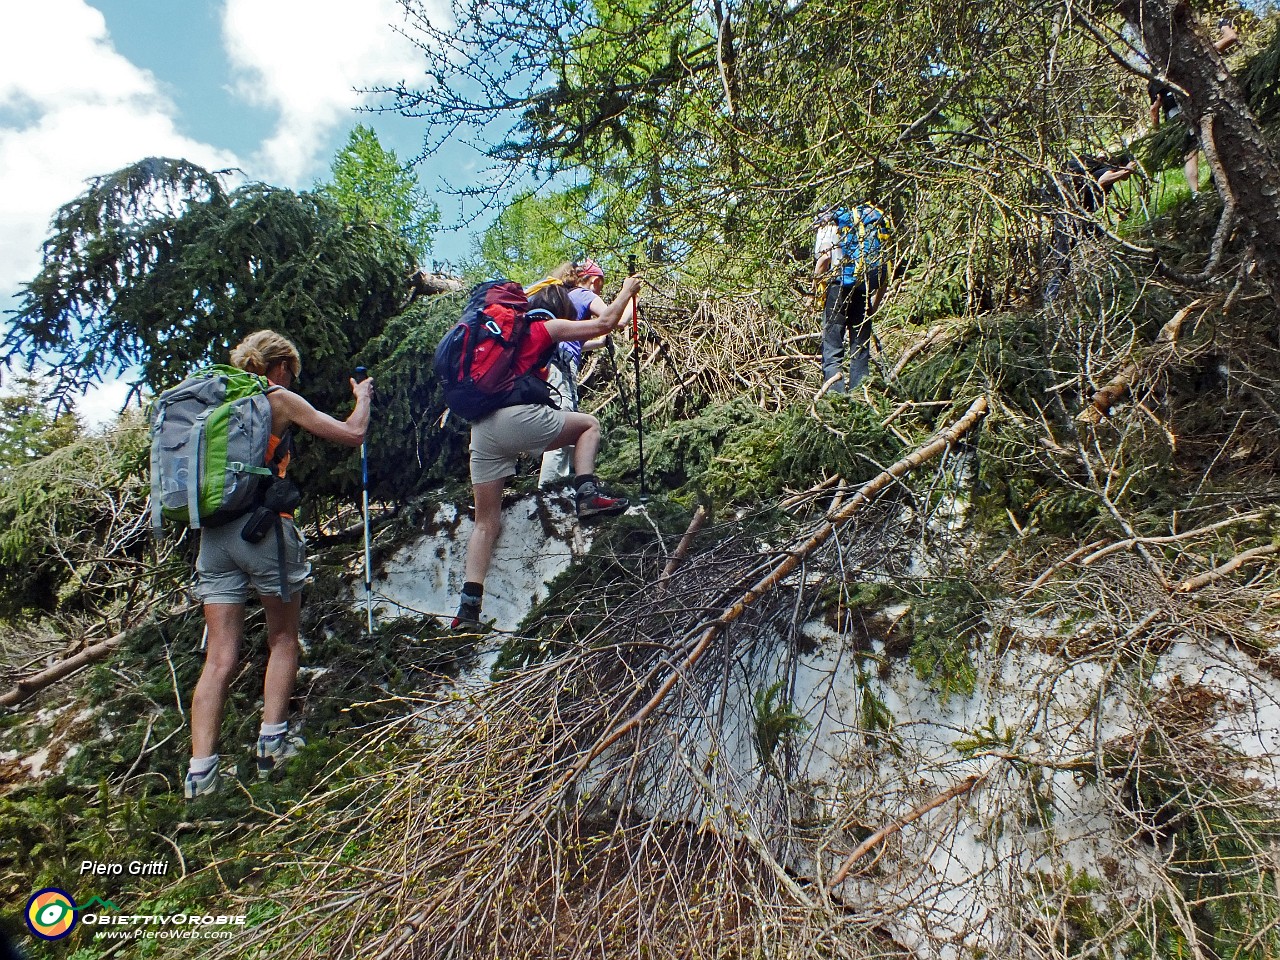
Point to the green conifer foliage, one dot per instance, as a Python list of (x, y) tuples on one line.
[(369, 182), (156, 269)]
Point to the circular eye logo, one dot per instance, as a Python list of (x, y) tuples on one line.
[(51, 913)]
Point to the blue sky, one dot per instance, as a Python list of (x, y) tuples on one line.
[(268, 86)]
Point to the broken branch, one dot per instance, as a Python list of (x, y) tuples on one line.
[(712, 628), (1235, 563), (961, 788)]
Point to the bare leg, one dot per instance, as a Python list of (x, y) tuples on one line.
[(1191, 169), (282, 656), (582, 432), (226, 627), (488, 524)]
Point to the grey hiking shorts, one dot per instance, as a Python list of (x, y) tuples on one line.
[(228, 566), (500, 438)]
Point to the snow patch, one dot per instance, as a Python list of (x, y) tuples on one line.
[(540, 537)]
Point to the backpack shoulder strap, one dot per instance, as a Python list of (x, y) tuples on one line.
[(283, 449)]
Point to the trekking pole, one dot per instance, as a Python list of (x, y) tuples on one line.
[(635, 359), (361, 374)]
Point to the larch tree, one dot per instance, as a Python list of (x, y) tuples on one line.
[(369, 182)]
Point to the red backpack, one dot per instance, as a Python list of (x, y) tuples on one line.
[(476, 361)]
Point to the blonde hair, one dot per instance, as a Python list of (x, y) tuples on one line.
[(568, 273), (260, 351)]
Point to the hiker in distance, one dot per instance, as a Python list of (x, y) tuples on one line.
[(584, 281), (499, 438), (1164, 100), (849, 254), (228, 566), (1081, 190)]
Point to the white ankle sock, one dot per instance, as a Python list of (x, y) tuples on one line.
[(202, 765), (273, 729)]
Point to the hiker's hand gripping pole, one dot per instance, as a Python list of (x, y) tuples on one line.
[(635, 360), (361, 374)]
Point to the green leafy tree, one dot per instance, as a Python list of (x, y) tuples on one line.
[(716, 130), (369, 182), (539, 230)]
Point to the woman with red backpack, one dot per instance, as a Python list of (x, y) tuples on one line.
[(500, 437)]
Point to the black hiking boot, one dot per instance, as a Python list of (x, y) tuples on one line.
[(468, 617)]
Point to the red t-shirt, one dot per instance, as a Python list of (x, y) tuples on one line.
[(536, 350)]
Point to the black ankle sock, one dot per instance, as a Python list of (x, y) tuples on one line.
[(473, 591), (582, 479)]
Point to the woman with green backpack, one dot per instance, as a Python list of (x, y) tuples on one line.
[(232, 562)]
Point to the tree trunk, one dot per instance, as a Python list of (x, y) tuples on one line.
[(1245, 168)]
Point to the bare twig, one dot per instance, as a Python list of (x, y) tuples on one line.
[(1235, 563), (960, 789)]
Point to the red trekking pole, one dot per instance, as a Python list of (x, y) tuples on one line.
[(635, 360)]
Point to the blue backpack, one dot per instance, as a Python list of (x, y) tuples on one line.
[(864, 231)]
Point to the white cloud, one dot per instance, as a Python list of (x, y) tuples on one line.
[(71, 108), (101, 404), (307, 59)]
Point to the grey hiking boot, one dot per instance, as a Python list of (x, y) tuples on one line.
[(592, 502), (273, 751), (196, 785)]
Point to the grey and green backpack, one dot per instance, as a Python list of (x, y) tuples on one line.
[(209, 438)]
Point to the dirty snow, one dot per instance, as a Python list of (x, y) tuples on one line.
[(425, 577)]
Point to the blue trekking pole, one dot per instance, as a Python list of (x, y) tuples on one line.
[(361, 374)]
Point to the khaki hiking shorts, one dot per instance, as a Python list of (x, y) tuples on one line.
[(499, 439), (228, 566)]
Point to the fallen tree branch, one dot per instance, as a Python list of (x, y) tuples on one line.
[(423, 283), (682, 549), (934, 335), (906, 405), (961, 788), (1235, 563), (29, 686), (1106, 398), (1120, 545), (798, 498), (712, 627)]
